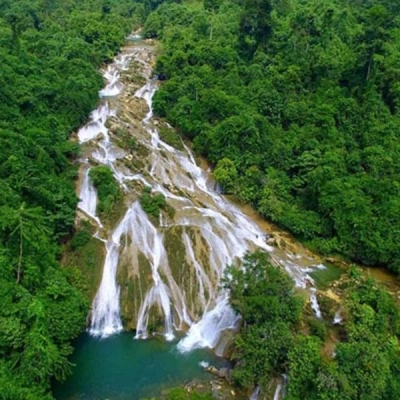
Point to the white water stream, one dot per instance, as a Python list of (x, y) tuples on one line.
[(88, 202), (278, 391), (212, 232), (314, 303), (337, 319), (255, 394)]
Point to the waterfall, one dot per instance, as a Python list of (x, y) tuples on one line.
[(106, 313), (337, 319), (207, 331), (314, 303), (256, 393), (278, 394), (170, 269), (88, 198), (96, 124), (278, 391), (114, 85)]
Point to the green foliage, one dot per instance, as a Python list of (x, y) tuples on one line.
[(171, 137), (303, 99), (80, 238), (365, 365), (366, 360), (263, 295), (226, 174), (152, 203), (182, 394), (304, 362), (50, 53), (318, 328), (107, 187)]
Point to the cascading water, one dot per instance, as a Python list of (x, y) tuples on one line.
[(256, 393), (174, 266), (278, 391), (314, 303), (106, 311), (88, 198), (337, 319)]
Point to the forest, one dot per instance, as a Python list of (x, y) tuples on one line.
[(296, 104), (50, 53), (278, 336)]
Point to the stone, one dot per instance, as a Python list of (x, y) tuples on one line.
[(271, 241), (212, 370), (223, 373)]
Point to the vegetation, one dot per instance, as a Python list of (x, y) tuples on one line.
[(365, 363), (86, 253), (297, 105), (366, 355), (108, 189), (50, 53), (152, 203), (169, 136), (182, 394), (81, 236), (263, 295)]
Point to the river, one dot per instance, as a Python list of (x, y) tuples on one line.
[(160, 276)]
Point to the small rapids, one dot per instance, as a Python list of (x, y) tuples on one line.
[(255, 394), (314, 303), (176, 265)]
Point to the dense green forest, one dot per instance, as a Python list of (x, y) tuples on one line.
[(358, 360), (296, 103), (50, 52)]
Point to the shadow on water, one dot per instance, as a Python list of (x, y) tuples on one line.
[(122, 368)]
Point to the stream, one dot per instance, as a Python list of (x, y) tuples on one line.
[(160, 277)]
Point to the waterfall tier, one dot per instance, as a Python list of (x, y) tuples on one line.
[(164, 276)]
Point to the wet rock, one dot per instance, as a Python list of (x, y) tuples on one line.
[(216, 394), (224, 373), (212, 370)]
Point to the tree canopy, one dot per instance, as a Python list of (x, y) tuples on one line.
[(50, 52), (357, 360), (296, 103)]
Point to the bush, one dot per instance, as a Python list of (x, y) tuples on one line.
[(80, 239), (107, 188), (152, 204)]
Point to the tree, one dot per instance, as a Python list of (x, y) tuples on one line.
[(23, 229), (304, 363), (263, 295), (226, 174), (255, 25)]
